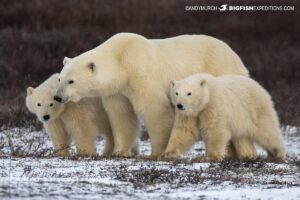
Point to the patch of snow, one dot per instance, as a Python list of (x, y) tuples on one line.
[(29, 177)]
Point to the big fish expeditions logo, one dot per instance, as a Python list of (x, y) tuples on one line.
[(223, 7), (238, 8)]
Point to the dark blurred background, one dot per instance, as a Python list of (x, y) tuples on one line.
[(35, 35)]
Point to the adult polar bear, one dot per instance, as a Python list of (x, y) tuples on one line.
[(133, 76)]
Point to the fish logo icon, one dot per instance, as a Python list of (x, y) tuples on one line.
[(223, 7)]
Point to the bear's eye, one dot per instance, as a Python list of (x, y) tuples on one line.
[(176, 93), (70, 81), (38, 104), (51, 104), (189, 94)]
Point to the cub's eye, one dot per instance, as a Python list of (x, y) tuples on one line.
[(59, 80), (51, 104), (38, 104), (176, 93), (189, 94), (70, 81)]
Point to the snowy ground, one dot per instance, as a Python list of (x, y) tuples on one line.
[(27, 171)]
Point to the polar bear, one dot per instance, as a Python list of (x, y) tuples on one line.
[(223, 109), (81, 120), (132, 74)]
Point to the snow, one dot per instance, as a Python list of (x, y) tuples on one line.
[(24, 175)]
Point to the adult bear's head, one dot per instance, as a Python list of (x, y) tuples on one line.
[(91, 74)]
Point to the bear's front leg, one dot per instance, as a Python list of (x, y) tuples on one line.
[(158, 118), (216, 140), (85, 135), (124, 123), (184, 135), (58, 136)]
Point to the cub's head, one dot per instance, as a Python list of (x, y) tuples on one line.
[(190, 95), (40, 102), (89, 75)]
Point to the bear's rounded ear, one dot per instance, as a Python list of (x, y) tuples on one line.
[(202, 83), (173, 82), (66, 60), (30, 91), (92, 66)]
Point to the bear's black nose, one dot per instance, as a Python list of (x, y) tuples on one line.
[(57, 98), (180, 106), (46, 117)]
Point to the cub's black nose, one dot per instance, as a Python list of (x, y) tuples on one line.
[(57, 98), (180, 106), (46, 117)]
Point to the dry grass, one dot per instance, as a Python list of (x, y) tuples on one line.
[(29, 170)]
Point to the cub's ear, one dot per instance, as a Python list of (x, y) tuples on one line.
[(202, 83), (92, 66), (30, 91), (173, 82), (66, 60)]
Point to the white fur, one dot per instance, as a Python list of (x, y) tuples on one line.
[(223, 109), (82, 120), (133, 73)]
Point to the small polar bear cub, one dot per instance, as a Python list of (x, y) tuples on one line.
[(223, 109), (81, 120)]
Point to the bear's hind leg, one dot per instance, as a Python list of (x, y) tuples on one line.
[(245, 148), (216, 141), (231, 151), (269, 137)]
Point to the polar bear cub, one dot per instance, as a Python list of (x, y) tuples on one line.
[(223, 109), (81, 120)]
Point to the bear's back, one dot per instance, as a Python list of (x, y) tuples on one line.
[(240, 98), (241, 85)]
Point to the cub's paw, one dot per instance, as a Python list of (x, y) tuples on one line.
[(214, 156), (123, 153), (171, 155), (276, 155), (60, 153), (247, 155)]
